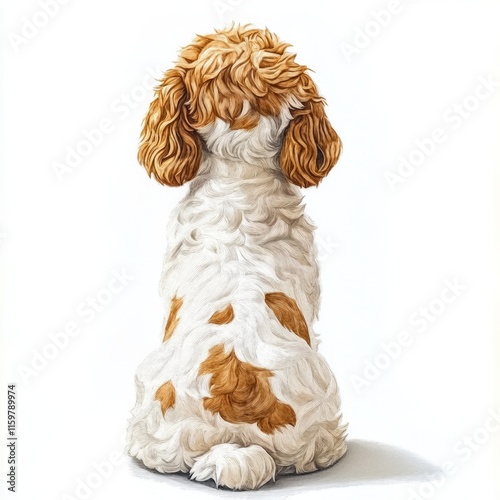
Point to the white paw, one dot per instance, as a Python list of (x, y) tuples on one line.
[(235, 467)]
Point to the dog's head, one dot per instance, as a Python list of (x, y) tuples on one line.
[(238, 76)]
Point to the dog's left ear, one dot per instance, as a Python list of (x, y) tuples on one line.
[(310, 147), (170, 148)]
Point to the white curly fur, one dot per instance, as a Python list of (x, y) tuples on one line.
[(239, 233)]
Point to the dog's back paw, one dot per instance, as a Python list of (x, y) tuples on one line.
[(235, 467)]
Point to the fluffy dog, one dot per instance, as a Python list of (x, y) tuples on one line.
[(237, 391)]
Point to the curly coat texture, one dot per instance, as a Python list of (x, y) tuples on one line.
[(237, 391), (237, 76)]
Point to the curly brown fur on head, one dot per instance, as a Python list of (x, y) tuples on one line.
[(236, 75)]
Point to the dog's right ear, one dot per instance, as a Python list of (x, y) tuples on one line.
[(170, 148)]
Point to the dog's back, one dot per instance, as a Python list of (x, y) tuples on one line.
[(237, 391)]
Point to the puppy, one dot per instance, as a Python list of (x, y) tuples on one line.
[(237, 391)]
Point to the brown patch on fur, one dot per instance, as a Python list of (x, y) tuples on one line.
[(221, 75), (223, 317), (166, 396), (241, 392), (288, 314), (173, 319)]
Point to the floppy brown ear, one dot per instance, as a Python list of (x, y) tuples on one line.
[(170, 148), (310, 147)]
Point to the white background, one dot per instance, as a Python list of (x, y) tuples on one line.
[(384, 253)]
